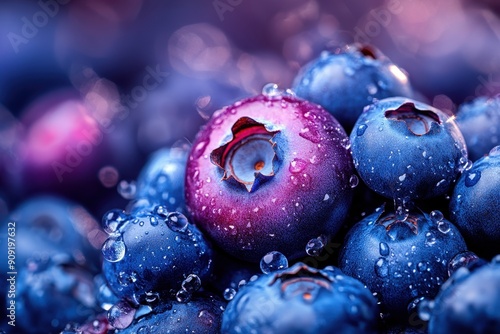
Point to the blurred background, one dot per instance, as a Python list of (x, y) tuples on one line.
[(89, 89)]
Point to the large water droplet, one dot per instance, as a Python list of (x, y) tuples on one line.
[(127, 189), (273, 261), (183, 296), (436, 216), (471, 178), (271, 90), (229, 294), (192, 283), (177, 222), (121, 315), (361, 129), (382, 267), (113, 249), (112, 220), (444, 227), (199, 149), (315, 246), (461, 260), (383, 249)]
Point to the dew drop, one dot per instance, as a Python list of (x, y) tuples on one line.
[(436, 216), (161, 211), (402, 177), (297, 165), (353, 181), (444, 227), (112, 220), (199, 149), (182, 296), (383, 249), (206, 318), (127, 189), (361, 130), (271, 90), (460, 260), (121, 315), (113, 249), (472, 178), (382, 267), (229, 294), (430, 239), (192, 283), (273, 261), (315, 246), (422, 266), (177, 222)]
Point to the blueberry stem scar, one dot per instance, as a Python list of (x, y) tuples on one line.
[(418, 121)]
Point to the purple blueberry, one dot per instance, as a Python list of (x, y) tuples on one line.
[(346, 81), (475, 204), (479, 122), (302, 299), (407, 150), (153, 253), (269, 173), (468, 303), (400, 258)]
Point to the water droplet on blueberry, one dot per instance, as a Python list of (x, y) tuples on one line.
[(273, 261), (382, 267), (113, 249), (361, 130), (177, 222), (472, 178), (384, 249)]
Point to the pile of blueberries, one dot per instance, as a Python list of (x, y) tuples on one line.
[(342, 205)]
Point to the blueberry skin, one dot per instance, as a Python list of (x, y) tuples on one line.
[(400, 260), (302, 299), (202, 315), (469, 303), (156, 258), (475, 205), (308, 195), (479, 122), (404, 149), (63, 291), (346, 81), (161, 180)]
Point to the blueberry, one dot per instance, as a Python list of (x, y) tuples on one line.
[(269, 173), (403, 149), (347, 80), (202, 314), (63, 291), (161, 181), (400, 258), (475, 204), (468, 303), (302, 299), (154, 253), (479, 122)]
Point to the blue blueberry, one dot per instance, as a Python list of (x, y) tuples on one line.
[(51, 293), (475, 204), (161, 181), (479, 122), (346, 81), (302, 299), (468, 303), (407, 150), (400, 258), (154, 253)]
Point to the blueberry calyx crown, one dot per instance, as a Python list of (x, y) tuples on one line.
[(249, 156), (419, 122)]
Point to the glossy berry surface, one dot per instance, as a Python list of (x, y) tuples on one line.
[(154, 253), (479, 122), (469, 302), (404, 149), (302, 299), (346, 81), (475, 204), (161, 181), (400, 258), (269, 173), (201, 315)]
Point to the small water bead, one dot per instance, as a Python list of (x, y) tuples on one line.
[(113, 249), (121, 315), (472, 178), (315, 246), (422, 266), (161, 211), (297, 165), (436, 216), (271, 90), (127, 189), (425, 308), (177, 222), (112, 220), (461, 260), (382, 267), (242, 283), (384, 249), (361, 130), (353, 181), (151, 298), (153, 221), (183, 296), (192, 283), (229, 294), (444, 227), (430, 239), (273, 261)]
